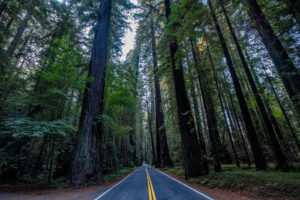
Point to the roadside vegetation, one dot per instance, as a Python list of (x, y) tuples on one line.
[(265, 183), (63, 183), (111, 177)]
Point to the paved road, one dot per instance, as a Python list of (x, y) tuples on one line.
[(149, 184)]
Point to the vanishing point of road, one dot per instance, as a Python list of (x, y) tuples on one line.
[(146, 183)]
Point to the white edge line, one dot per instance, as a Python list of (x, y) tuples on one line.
[(97, 198), (185, 185)]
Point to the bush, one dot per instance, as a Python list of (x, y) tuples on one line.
[(117, 175)]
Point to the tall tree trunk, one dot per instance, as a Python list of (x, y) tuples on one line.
[(235, 119), (268, 108), (163, 156), (86, 163), (275, 145), (283, 110), (223, 109), (2, 8), (189, 141), (151, 134), (213, 132), (204, 121), (285, 67), (14, 43), (273, 120), (141, 143), (9, 23), (38, 162), (238, 125), (198, 119), (132, 136), (251, 132), (235, 127), (52, 140)]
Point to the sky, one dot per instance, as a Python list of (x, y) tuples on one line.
[(129, 38)]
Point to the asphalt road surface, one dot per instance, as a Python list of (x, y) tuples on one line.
[(146, 183)]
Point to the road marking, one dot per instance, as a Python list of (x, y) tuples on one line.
[(150, 187), (185, 185), (97, 198), (153, 194)]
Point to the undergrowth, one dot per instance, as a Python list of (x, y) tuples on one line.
[(265, 183), (117, 175)]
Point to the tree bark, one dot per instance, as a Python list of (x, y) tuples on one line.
[(251, 132), (238, 125), (2, 8), (163, 156), (189, 141), (198, 120), (285, 67), (223, 109), (38, 162), (52, 141), (141, 143), (235, 128), (9, 23), (213, 132), (275, 145), (283, 110), (132, 136), (86, 163), (151, 134), (14, 44)]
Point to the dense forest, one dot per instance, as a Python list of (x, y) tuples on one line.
[(208, 83)]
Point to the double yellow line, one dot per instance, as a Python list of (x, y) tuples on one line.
[(150, 187)]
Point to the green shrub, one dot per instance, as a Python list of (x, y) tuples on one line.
[(264, 182), (117, 175)]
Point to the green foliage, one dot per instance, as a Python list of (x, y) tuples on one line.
[(276, 112), (185, 17), (176, 170), (64, 71), (25, 127), (122, 97), (262, 182), (111, 177), (117, 129), (60, 79), (26, 131)]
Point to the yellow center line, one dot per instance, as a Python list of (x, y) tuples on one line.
[(150, 187), (153, 194)]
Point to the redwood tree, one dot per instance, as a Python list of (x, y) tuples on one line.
[(86, 163), (275, 145), (214, 135), (251, 132), (284, 65), (163, 156), (189, 141)]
